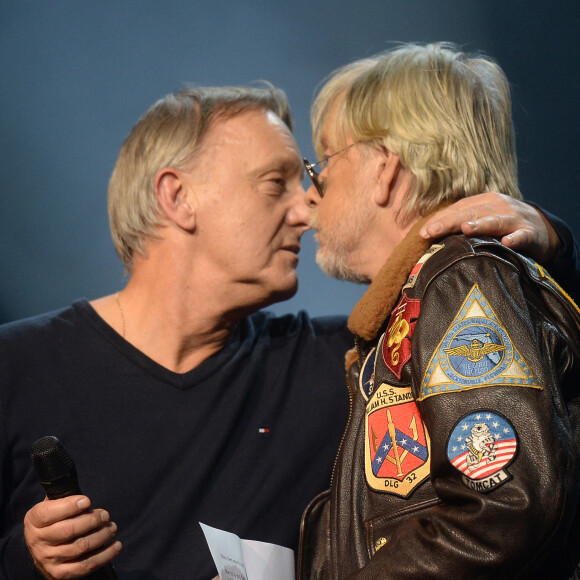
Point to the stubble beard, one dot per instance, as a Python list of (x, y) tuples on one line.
[(332, 258), (332, 265)]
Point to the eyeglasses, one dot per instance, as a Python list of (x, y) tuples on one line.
[(314, 175)]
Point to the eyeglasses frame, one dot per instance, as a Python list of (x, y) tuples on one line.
[(314, 175)]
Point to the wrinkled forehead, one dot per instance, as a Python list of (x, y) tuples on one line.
[(247, 131), (250, 143), (245, 124)]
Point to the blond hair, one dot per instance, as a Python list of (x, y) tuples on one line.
[(446, 115), (170, 134)]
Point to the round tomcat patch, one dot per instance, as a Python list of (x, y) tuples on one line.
[(480, 446)]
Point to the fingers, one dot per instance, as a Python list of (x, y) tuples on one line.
[(80, 527), (66, 540), (525, 230), (522, 240), (56, 570), (520, 226), (49, 512), (471, 210), (492, 225), (467, 221)]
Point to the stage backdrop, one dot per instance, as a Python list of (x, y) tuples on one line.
[(76, 75)]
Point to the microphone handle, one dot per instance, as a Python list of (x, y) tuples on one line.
[(107, 572), (58, 476)]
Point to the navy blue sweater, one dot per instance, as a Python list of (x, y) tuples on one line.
[(242, 442)]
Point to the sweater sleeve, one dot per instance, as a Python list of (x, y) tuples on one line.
[(566, 266)]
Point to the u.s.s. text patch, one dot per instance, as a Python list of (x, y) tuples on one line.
[(476, 351), (397, 447), (481, 446)]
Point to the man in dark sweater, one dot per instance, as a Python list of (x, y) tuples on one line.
[(179, 401)]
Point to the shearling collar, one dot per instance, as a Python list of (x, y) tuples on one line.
[(376, 304)]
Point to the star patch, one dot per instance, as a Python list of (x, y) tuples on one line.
[(475, 352), (397, 457), (396, 343), (480, 446), (367, 375)]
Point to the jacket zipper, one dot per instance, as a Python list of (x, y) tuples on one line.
[(350, 389)]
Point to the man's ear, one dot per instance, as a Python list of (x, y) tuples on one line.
[(389, 167), (174, 199)]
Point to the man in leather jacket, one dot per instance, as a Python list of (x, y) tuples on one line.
[(460, 457)]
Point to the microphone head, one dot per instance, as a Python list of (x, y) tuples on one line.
[(54, 467)]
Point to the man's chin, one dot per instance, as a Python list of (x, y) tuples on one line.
[(284, 292), (336, 268)]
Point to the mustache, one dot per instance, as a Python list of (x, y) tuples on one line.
[(313, 221)]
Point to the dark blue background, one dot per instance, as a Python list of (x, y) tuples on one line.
[(76, 75)]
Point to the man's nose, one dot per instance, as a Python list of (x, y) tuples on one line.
[(312, 197), (299, 214)]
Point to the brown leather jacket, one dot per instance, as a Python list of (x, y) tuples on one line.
[(460, 458)]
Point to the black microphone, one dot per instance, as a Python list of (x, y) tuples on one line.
[(58, 475)]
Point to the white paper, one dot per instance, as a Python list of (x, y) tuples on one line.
[(237, 559)]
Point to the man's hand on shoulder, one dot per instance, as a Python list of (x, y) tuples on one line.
[(67, 540), (519, 225)]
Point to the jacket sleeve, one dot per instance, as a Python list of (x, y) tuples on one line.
[(493, 365)]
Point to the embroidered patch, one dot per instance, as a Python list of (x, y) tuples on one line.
[(397, 457), (367, 375), (412, 279), (396, 343), (480, 446), (475, 352)]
